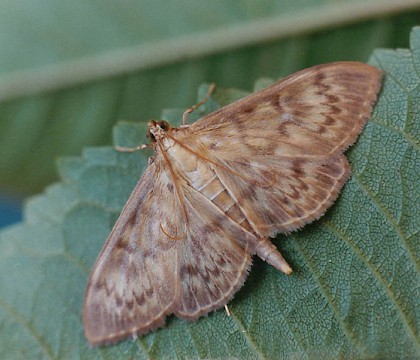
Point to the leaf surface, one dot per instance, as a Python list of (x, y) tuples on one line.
[(355, 291)]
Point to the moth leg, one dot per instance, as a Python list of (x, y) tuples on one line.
[(227, 311), (269, 253), (192, 108), (134, 149)]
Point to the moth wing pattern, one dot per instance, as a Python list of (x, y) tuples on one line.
[(152, 266), (215, 257), (316, 112), (297, 192), (133, 284), (281, 153)]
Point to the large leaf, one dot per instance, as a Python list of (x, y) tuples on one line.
[(69, 70), (355, 291)]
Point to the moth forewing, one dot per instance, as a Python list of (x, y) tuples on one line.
[(133, 283), (217, 189)]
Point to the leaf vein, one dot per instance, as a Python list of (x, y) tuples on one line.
[(322, 287), (38, 337), (373, 270)]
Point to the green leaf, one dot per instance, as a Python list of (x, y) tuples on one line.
[(355, 291), (69, 72)]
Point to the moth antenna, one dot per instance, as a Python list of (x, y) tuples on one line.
[(131, 150), (192, 108), (184, 235)]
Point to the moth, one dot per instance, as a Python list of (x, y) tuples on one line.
[(217, 190)]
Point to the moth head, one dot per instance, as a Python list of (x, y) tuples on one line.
[(157, 130)]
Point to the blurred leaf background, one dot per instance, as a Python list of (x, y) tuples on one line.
[(70, 70)]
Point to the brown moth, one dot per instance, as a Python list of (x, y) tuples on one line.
[(217, 190)]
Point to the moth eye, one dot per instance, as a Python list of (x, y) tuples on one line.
[(164, 125)]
